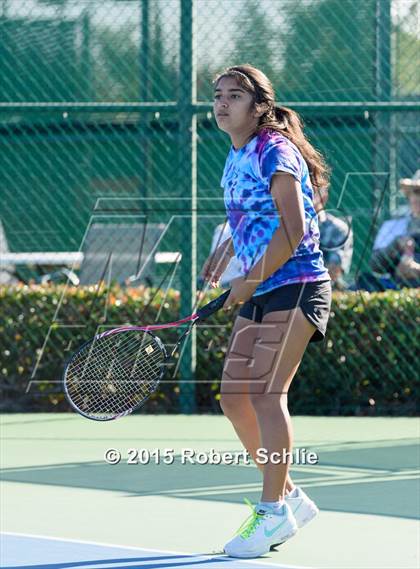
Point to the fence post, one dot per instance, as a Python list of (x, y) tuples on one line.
[(144, 95), (188, 187), (382, 151)]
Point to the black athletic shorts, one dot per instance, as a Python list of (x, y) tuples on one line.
[(314, 298)]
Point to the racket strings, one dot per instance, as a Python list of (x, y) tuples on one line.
[(115, 373), (119, 348), (116, 392)]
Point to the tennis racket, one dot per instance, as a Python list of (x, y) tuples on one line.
[(115, 372)]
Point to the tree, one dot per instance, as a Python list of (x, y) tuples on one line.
[(330, 51), (407, 52), (253, 43)]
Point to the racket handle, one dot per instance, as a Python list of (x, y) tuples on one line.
[(213, 306)]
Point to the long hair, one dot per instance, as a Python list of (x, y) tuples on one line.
[(282, 120)]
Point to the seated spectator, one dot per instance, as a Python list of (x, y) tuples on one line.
[(396, 250), (336, 242)]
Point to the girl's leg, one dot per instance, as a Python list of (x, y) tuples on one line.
[(284, 336), (235, 389)]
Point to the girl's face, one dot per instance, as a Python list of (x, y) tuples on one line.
[(232, 107)]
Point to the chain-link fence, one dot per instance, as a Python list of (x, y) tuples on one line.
[(111, 160)]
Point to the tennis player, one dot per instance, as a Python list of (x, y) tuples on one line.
[(284, 295)]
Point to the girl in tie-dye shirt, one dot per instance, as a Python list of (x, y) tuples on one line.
[(284, 293), (253, 217)]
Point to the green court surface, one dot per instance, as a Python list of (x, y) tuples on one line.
[(56, 484)]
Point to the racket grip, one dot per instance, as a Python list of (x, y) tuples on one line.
[(213, 306)]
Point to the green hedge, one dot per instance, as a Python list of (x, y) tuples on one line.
[(367, 365)]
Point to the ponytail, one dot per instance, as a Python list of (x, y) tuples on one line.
[(289, 124)]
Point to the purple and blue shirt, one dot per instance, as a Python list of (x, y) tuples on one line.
[(252, 214)]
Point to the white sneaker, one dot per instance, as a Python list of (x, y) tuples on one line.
[(260, 531), (303, 508)]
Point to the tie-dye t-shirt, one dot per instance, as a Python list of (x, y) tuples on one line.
[(252, 214)]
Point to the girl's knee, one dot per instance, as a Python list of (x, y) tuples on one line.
[(269, 402), (235, 406)]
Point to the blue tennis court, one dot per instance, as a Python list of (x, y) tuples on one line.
[(37, 552)]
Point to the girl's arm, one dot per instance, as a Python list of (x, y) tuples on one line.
[(287, 196), (217, 262), (226, 247)]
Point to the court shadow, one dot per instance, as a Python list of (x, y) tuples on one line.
[(376, 480), (152, 562)]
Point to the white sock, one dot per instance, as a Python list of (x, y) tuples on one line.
[(293, 493), (270, 506)]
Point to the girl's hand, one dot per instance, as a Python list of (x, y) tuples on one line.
[(241, 291), (215, 265)]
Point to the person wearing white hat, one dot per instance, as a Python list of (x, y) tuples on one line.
[(396, 250)]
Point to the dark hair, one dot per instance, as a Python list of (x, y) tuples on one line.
[(280, 119)]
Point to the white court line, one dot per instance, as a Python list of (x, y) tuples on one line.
[(134, 548), (224, 487), (236, 488), (336, 474), (257, 487), (326, 469), (365, 479)]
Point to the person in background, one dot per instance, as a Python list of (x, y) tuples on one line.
[(396, 250), (336, 241)]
